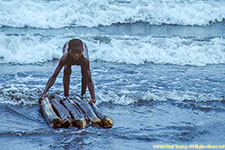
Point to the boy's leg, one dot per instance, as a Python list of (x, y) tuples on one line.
[(66, 79)]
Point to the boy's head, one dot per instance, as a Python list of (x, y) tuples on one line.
[(75, 48)]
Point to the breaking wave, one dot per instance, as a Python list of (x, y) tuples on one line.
[(64, 13)]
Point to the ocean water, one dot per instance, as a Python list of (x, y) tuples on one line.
[(158, 69)]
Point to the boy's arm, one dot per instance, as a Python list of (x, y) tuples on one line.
[(83, 82), (52, 79)]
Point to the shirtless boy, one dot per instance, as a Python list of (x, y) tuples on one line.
[(75, 52)]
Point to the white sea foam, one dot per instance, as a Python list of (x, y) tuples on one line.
[(20, 94), (155, 95), (175, 50), (15, 94), (122, 49), (27, 49), (64, 13)]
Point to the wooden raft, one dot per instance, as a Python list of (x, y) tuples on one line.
[(65, 113)]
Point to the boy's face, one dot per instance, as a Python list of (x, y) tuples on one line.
[(75, 54)]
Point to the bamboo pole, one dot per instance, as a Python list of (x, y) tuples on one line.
[(79, 120), (52, 119)]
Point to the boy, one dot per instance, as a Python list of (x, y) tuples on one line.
[(75, 52)]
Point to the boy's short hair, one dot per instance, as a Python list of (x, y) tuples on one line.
[(75, 45)]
